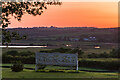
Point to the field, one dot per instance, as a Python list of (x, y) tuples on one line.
[(22, 49), (27, 73), (87, 47)]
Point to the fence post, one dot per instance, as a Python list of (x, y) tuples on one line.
[(36, 67), (77, 62)]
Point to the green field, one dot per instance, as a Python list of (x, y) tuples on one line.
[(7, 73), (26, 73), (100, 59), (23, 49)]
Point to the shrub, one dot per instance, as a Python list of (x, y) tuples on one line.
[(115, 53), (54, 70), (25, 57), (99, 64), (92, 55), (80, 52), (42, 66), (27, 53), (45, 51), (12, 53), (73, 71), (17, 66), (61, 50), (104, 55)]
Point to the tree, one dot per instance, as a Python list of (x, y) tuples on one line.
[(17, 10), (77, 50), (115, 53)]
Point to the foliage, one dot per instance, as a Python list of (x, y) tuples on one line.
[(25, 57), (29, 58), (27, 53), (102, 55), (61, 50), (65, 50), (17, 10), (100, 64), (17, 66), (12, 53), (42, 66), (79, 51), (115, 53)]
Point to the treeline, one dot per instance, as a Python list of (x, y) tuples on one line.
[(101, 64), (115, 53), (29, 58), (25, 57)]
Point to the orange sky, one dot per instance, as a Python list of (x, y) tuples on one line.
[(73, 14)]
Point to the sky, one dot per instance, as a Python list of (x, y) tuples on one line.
[(89, 0), (73, 14), (68, 0)]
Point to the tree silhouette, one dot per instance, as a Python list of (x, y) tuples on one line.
[(17, 10)]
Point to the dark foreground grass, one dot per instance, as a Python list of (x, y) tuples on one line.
[(7, 73), (60, 79), (32, 66)]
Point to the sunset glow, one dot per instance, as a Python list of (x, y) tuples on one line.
[(73, 14)]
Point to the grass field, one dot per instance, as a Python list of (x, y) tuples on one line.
[(87, 51), (7, 73), (23, 49), (100, 59), (57, 67)]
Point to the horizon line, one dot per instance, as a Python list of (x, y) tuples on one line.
[(60, 27)]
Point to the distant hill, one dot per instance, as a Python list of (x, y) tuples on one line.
[(69, 33)]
